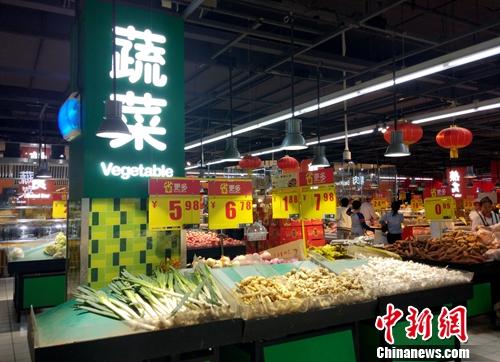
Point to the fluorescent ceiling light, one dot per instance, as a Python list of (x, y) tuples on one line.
[(192, 167), (460, 57), (487, 105)]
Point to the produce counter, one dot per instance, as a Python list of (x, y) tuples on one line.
[(62, 333), (39, 279), (293, 311)]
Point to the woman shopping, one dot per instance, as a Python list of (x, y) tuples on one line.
[(358, 223), (392, 222)]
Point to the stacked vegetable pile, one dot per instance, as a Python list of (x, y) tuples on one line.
[(462, 247), (249, 259), (330, 252), (298, 290), (208, 239), (164, 300), (57, 249), (385, 276)]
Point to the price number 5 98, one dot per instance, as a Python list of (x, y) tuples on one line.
[(176, 206)]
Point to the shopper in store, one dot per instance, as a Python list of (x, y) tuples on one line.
[(392, 222), (486, 217), (368, 211), (358, 222), (343, 220), (474, 214)]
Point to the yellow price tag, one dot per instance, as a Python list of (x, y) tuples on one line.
[(229, 212), (316, 203), (285, 203), (416, 204), (173, 211), (59, 209), (468, 204), (439, 208), (379, 204)]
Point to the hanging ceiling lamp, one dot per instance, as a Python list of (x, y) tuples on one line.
[(319, 159), (293, 140), (413, 182), (231, 153), (469, 173), (412, 133), (396, 148), (112, 125), (43, 166)]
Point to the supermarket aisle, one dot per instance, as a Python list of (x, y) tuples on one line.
[(13, 340)]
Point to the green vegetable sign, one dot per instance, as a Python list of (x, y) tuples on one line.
[(150, 85)]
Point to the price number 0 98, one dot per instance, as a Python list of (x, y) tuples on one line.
[(233, 206)]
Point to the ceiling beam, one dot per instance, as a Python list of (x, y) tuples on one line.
[(191, 8)]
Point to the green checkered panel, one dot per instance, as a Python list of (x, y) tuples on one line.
[(119, 238)]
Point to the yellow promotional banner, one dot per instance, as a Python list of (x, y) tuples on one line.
[(173, 211), (380, 204), (229, 212), (317, 202), (285, 203), (59, 209), (439, 208)]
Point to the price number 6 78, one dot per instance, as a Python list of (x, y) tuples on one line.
[(233, 206)]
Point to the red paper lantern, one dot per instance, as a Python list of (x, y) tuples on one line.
[(288, 164), (304, 165), (454, 138), (412, 133), (249, 162)]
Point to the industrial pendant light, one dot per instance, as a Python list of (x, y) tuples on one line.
[(319, 159), (112, 125), (43, 166), (396, 148), (293, 140), (231, 153), (469, 173), (346, 155)]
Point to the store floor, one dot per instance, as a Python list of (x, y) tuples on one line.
[(484, 342)]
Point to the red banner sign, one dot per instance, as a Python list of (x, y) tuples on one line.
[(320, 177), (230, 187), (174, 186)]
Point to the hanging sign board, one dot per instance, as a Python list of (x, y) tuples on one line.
[(317, 202), (229, 204), (440, 208), (284, 180), (173, 203), (286, 203), (320, 177)]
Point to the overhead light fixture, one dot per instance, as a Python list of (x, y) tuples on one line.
[(293, 140), (460, 57), (43, 171), (112, 126), (319, 159), (469, 173), (397, 148), (231, 153), (413, 182)]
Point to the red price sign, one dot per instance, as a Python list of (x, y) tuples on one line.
[(229, 212), (316, 203), (285, 203), (174, 186), (319, 177), (439, 208), (168, 212)]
